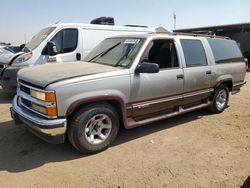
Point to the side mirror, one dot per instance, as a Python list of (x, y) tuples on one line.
[(147, 68), (51, 48), (22, 46)]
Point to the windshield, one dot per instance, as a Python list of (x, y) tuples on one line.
[(115, 51), (38, 38), (6, 49)]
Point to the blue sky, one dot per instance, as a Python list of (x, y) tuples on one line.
[(20, 19)]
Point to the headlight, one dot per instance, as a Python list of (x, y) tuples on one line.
[(44, 96), (22, 58), (49, 107)]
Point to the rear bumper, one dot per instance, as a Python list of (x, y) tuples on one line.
[(237, 86), (50, 130)]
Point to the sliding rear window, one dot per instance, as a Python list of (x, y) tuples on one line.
[(225, 51)]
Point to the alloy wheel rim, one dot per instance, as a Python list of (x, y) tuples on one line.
[(221, 99), (98, 128)]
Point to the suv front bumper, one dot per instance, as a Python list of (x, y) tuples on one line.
[(50, 130)]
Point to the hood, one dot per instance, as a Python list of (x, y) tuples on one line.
[(43, 75), (5, 58)]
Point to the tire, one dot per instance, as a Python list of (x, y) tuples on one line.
[(93, 128), (220, 99)]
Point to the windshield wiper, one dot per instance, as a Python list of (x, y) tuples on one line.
[(104, 52)]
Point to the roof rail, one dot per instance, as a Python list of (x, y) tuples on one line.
[(136, 26), (200, 35)]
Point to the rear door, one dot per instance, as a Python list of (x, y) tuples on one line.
[(197, 71)]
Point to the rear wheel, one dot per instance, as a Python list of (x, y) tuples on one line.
[(93, 128), (220, 99)]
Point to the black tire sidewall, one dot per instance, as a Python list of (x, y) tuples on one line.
[(78, 134)]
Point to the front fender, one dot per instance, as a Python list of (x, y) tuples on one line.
[(74, 102), (86, 98)]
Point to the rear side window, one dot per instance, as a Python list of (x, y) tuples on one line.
[(194, 52), (225, 51)]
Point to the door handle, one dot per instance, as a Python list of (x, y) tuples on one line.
[(208, 72), (78, 56), (180, 76)]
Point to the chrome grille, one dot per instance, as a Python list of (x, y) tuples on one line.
[(26, 102), (25, 89)]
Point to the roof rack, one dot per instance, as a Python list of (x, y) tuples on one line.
[(200, 35), (103, 21)]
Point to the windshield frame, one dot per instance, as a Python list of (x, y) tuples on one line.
[(99, 54), (38, 38)]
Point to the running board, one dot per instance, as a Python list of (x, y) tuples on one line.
[(131, 123)]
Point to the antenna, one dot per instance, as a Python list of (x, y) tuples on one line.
[(58, 22), (174, 16)]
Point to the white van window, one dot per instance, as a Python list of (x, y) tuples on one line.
[(38, 38), (57, 39), (66, 40)]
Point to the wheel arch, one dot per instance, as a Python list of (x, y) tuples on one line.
[(116, 101), (228, 82)]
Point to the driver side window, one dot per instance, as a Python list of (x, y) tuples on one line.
[(66, 40), (161, 52), (57, 39)]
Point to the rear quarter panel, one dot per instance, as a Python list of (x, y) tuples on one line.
[(225, 71)]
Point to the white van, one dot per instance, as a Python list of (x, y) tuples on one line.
[(61, 43)]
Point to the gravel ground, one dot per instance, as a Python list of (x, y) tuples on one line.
[(198, 149)]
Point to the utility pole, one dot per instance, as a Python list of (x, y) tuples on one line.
[(174, 15)]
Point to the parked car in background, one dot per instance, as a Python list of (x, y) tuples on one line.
[(6, 54), (63, 42), (129, 81)]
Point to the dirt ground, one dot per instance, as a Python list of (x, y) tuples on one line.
[(198, 149)]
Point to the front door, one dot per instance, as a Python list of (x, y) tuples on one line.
[(157, 92), (67, 45)]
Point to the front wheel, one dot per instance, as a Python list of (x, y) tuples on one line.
[(93, 128), (220, 99)]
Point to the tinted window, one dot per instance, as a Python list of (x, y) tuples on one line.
[(161, 52), (66, 40), (225, 50), (194, 52), (70, 38)]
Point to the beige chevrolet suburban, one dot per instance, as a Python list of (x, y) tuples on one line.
[(127, 81)]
